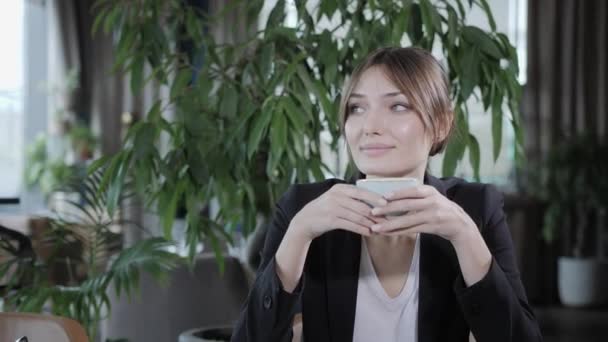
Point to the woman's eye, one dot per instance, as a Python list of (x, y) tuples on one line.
[(399, 107), (353, 109)]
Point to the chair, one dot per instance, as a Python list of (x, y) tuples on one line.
[(198, 298), (37, 327)]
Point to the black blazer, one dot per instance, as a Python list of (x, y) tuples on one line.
[(494, 309)]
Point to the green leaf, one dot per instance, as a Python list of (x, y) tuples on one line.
[(99, 18), (453, 153), (181, 81), (110, 172), (474, 155), (486, 8), (111, 19), (461, 9), (229, 102), (399, 27), (154, 114), (280, 129), (477, 37), (217, 250), (457, 145), (452, 26), (97, 164), (259, 128), (330, 60), (497, 124), (278, 137), (469, 72), (414, 30), (295, 115), (265, 61), (326, 104), (116, 186), (168, 212), (137, 74), (145, 137), (328, 8), (277, 15), (431, 18)]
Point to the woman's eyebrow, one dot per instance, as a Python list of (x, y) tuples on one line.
[(392, 94)]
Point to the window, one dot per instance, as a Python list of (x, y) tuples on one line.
[(11, 98)]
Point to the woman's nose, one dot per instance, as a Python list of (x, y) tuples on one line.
[(373, 124)]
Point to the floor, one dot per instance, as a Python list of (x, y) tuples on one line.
[(573, 325)]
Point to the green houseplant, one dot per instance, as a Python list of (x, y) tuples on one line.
[(77, 259), (575, 189), (249, 117)]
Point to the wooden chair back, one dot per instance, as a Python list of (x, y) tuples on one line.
[(38, 327)]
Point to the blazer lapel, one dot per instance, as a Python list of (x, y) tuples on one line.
[(429, 293), (342, 274)]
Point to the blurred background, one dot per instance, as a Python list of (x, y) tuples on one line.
[(143, 145)]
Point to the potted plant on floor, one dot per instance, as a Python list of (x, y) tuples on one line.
[(77, 258), (575, 189)]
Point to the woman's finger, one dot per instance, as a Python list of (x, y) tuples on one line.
[(403, 205), (401, 222), (372, 198), (355, 205), (343, 224), (346, 213), (419, 191), (422, 228)]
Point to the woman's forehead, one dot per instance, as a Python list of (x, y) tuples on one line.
[(375, 83)]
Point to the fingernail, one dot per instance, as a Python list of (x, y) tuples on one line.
[(382, 201), (376, 227), (375, 211)]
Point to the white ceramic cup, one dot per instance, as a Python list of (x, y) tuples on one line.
[(384, 186)]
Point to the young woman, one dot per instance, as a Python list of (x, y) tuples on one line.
[(444, 271)]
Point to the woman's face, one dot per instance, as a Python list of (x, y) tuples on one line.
[(385, 136)]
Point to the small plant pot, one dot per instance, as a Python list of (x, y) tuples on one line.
[(210, 334), (582, 282)]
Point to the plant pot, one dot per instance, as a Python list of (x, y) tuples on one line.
[(582, 282), (210, 334)]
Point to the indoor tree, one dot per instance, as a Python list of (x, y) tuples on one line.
[(248, 116)]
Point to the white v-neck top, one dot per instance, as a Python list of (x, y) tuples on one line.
[(379, 317)]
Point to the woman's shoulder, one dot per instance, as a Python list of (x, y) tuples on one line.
[(459, 187)]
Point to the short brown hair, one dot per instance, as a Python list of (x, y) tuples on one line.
[(421, 78)]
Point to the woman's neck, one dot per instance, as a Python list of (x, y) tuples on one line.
[(390, 241)]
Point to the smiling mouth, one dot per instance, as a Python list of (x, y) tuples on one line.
[(376, 151)]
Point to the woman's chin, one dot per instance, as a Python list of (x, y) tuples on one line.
[(376, 173)]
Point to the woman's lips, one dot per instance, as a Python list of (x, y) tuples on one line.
[(376, 151)]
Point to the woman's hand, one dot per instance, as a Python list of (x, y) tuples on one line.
[(427, 211), (340, 207), (430, 212)]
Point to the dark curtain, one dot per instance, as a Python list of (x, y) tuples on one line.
[(74, 23), (101, 97), (567, 90), (566, 94)]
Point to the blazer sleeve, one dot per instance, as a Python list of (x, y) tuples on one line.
[(496, 307), (268, 312)]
